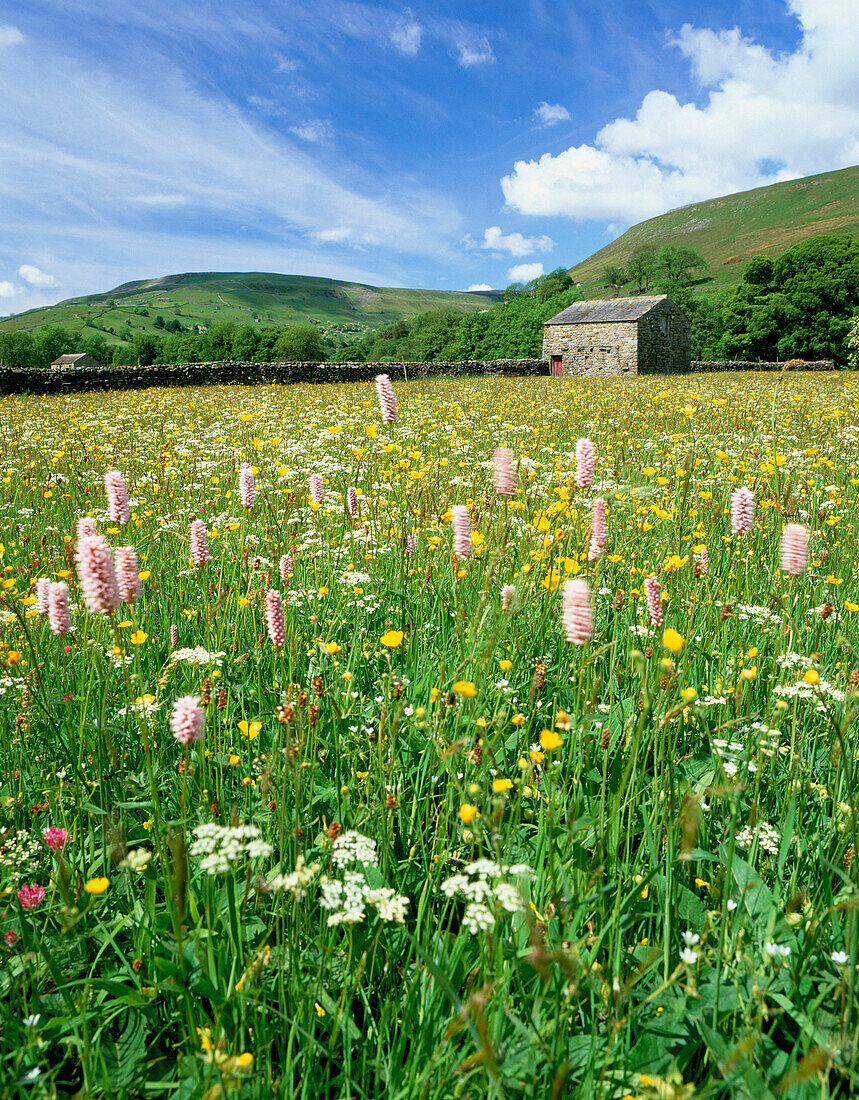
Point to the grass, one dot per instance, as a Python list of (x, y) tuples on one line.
[(343, 311), (427, 847), (728, 231)]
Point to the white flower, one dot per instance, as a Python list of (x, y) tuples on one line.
[(478, 918), (136, 859), (688, 956), (776, 950), (353, 847), (840, 958), (297, 881), (690, 938), (732, 905), (390, 905)]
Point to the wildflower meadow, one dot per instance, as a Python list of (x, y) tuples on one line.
[(451, 739)]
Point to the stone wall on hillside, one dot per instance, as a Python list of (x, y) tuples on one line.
[(739, 364), (248, 374)]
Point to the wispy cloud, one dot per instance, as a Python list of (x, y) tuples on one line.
[(549, 114), (9, 290), (406, 36), (474, 52), (480, 286), (316, 131), (10, 36)]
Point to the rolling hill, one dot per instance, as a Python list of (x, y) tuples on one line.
[(342, 311), (728, 231)]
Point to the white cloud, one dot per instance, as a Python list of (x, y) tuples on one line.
[(514, 243), (524, 273), (406, 36), (10, 36), (481, 286), (316, 131), (8, 290), (548, 114), (766, 117), (35, 277), (474, 52)]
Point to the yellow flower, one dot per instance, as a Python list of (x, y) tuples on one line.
[(244, 601), (518, 719), (851, 606), (145, 575), (672, 640), (246, 418), (235, 760), (501, 785), (331, 648), (96, 885), (434, 694), (689, 694), (550, 740), (250, 730), (811, 677), (465, 688), (505, 666), (323, 591), (392, 638), (536, 756), (749, 674), (138, 637), (467, 813), (482, 722)]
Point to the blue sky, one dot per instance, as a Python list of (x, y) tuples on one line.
[(430, 145)]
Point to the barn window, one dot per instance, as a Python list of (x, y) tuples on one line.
[(664, 325)]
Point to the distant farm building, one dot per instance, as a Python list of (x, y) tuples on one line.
[(613, 336), (81, 361)]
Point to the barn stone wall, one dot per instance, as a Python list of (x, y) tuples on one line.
[(597, 348), (660, 352)]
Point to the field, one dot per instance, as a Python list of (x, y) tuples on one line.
[(728, 231), (343, 311), (410, 841)]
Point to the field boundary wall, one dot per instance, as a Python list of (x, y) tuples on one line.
[(252, 373)]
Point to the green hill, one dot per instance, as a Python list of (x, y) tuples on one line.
[(342, 311), (728, 231)]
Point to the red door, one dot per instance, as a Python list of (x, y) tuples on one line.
[(557, 366)]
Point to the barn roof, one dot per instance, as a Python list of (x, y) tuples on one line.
[(606, 309), (69, 360)]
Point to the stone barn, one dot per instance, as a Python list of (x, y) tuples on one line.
[(80, 361), (644, 335)]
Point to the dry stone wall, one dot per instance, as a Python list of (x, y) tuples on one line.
[(247, 374), (664, 340), (739, 364)]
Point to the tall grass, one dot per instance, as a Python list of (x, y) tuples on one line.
[(427, 848)]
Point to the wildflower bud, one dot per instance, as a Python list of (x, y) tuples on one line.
[(117, 497), (387, 400), (312, 714), (352, 501), (222, 699), (726, 612), (43, 585), (826, 610), (247, 485), (86, 526), (618, 599), (509, 598), (334, 830), (584, 463), (318, 685), (174, 636)]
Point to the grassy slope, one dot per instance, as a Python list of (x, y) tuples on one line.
[(343, 311), (728, 231)]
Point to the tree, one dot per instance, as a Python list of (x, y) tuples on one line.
[(97, 347), (554, 283), (853, 343), (675, 267), (616, 277), (159, 321), (146, 349), (217, 341), (299, 344), (245, 343), (17, 350), (802, 310), (641, 268), (173, 326)]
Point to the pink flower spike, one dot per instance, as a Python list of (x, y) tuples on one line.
[(247, 485), (794, 549), (199, 543), (58, 608), (117, 497), (387, 400), (95, 572), (704, 561), (56, 838), (654, 601), (461, 531), (43, 585), (174, 636), (584, 463), (127, 579), (509, 598), (411, 544), (599, 531), (352, 501), (31, 895), (504, 472), (86, 526), (316, 486), (286, 568), (577, 613), (186, 719), (742, 511), (274, 618)]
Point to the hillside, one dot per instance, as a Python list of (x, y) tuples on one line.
[(343, 311), (728, 231)]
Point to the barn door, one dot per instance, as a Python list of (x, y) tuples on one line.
[(557, 366)]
